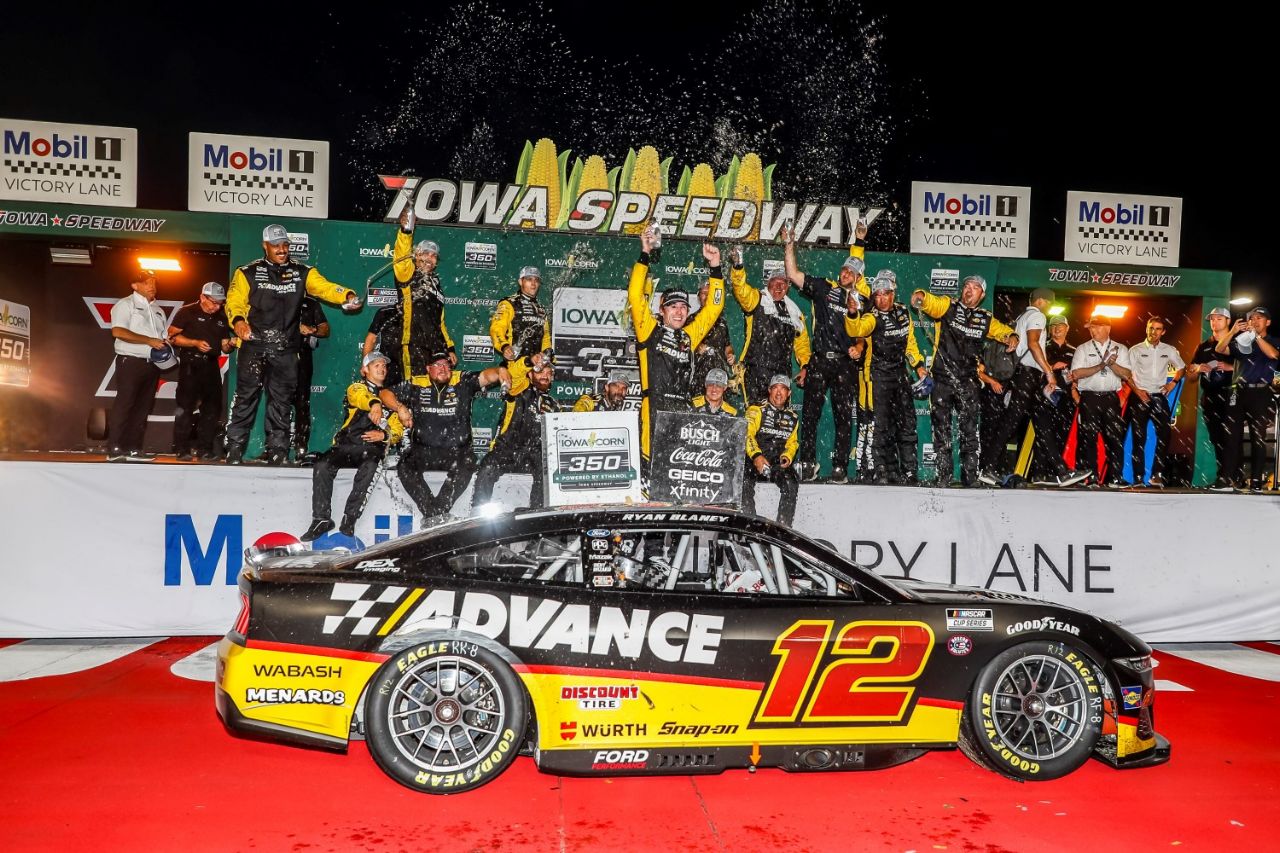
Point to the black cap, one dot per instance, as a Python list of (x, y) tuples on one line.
[(1265, 312), (437, 355), (1041, 293), (673, 297)]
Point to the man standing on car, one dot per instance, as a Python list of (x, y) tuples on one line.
[(1157, 369), (201, 334), (772, 442)]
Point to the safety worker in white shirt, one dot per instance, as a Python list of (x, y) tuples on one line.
[(1157, 369), (1099, 368)]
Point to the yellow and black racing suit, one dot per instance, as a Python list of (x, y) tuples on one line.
[(350, 450), (421, 328), (773, 335), (701, 406), (517, 449), (522, 323), (772, 433), (886, 389)]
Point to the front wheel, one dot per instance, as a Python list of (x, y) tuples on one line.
[(445, 716), (1035, 711)]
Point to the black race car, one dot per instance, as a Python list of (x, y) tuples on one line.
[(646, 640)]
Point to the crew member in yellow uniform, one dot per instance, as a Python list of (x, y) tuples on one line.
[(518, 449), (775, 329), (361, 443), (711, 401), (420, 328), (666, 344), (772, 442), (521, 326)]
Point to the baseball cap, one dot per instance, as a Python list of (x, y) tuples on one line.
[(1218, 312), (716, 376), (374, 356), (618, 376), (275, 234), (1260, 311), (531, 272), (854, 265), (1058, 320), (673, 297), (436, 356), (164, 358), (1099, 320), (976, 279), (426, 246), (777, 273), (1041, 293), (884, 280), (780, 379), (139, 276), (214, 291)]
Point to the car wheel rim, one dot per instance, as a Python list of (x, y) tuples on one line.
[(1039, 707), (446, 714)]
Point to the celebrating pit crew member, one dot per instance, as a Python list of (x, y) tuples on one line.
[(138, 331), (1216, 372), (1034, 380), (264, 305), (421, 329), (1059, 353), (520, 326), (612, 397), (964, 324), (1256, 352), (716, 350), (200, 332), (361, 443), (772, 442), (711, 401), (996, 366), (666, 343), (1157, 369), (518, 446), (775, 329), (885, 387), (830, 369), (436, 408), (1099, 368), (314, 327)]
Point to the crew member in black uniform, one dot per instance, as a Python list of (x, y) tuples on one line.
[(885, 388), (963, 327), (830, 368), (612, 397), (436, 409), (201, 334), (666, 345), (711, 401), (314, 327), (361, 443), (521, 326), (716, 350), (518, 446), (1063, 406), (1216, 372), (420, 330), (772, 442), (775, 329), (264, 306)]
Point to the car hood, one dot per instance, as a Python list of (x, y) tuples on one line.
[(945, 593)]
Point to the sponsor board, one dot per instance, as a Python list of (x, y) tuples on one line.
[(970, 619), (480, 256), (15, 344), (944, 282), (596, 697), (592, 457), (477, 348), (698, 459), (264, 175), (970, 219), (68, 163), (591, 335), (1121, 228)]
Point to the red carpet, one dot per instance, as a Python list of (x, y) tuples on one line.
[(129, 756)]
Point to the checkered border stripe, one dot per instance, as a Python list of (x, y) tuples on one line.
[(265, 182), (991, 226), (70, 170), (1129, 234), (362, 623)]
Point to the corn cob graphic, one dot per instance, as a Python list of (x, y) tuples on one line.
[(646, 177), (545, 170), (748, 185)]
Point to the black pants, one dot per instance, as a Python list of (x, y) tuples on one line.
[(258, 365), (991, 454), (864, 463), (510, 456), (459, 463), (199, 399), (1062, 414), (1026, 399), (302, 400), (788, 485), (893, 444), (837, 377), (136, 380), (1138, 414), (961, 397), (1215, 405), (1100, 413), (364, 458), (1255, 408)]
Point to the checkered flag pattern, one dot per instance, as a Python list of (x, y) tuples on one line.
[(985, 226), (262, 182), (1130, 234), (70, 170), (361, 606)]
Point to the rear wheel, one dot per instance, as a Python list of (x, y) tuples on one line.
[(1035, 712), (445, 716)]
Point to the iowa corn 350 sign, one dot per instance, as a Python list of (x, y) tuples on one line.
[(492, 204)]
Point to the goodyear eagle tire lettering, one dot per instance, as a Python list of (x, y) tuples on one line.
[(445, 716), (1035, 711)]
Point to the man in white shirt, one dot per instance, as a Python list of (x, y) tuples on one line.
[(1099, 367), (1157, 367), (139, 328)]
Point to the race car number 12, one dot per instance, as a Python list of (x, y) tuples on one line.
[(861, 685)]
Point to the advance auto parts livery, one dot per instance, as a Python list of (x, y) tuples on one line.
[(650, 640)]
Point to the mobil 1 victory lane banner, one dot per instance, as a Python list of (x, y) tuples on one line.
[(697, 458), (1126, 229), (591, 457), (153, 550), (970, 219), (265, 175), (68, 163)]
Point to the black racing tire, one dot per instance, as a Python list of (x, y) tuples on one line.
[(96, 427), (1035, 712), (445, 716)]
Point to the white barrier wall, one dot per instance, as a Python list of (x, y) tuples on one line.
[(99, 550)]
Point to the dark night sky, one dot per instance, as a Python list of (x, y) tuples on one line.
[(1133, 101)]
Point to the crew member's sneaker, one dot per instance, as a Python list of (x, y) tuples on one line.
[(1156, 481), (1070, 478), (348, 526), (989, 478), (839, 478), (808, 472), (139, 456), (318, 528), (235, 455), (115, 454), (185, 456), (1222, 485), (275, 458), (1119, 484)]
